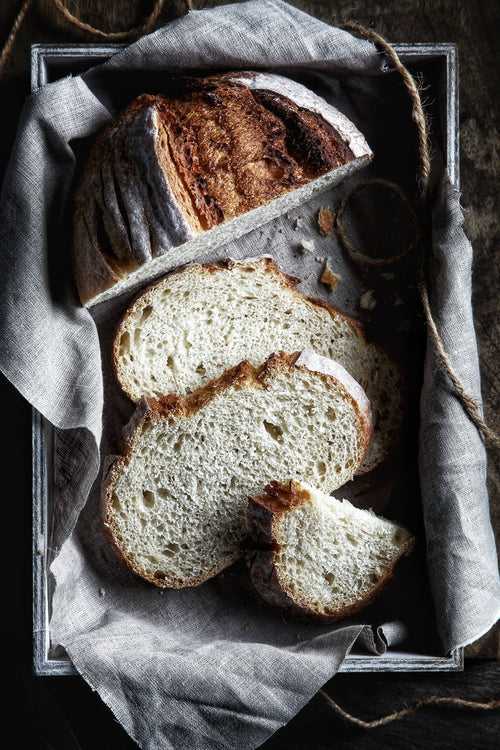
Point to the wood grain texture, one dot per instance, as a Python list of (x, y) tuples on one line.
[(56, 715)]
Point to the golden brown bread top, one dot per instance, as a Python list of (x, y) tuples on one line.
[(205, 151), (236, 148)]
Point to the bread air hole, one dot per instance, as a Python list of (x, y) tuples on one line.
[(148, 498), (274, 431), (321, 468), (124, 343), (329, 578), (201, 369), (145, 314), (331, 414), (164, 494), (171, 549), (170, 361), (178, 443), (115, 502)]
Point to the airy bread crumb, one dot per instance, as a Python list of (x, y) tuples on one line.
[(175, 502), (317, 556)]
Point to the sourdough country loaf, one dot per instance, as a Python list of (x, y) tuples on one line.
[(197, 322), (207, 151), (175, 502), (316, 556)]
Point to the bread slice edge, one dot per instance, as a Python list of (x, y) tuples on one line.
[(181, 407), (263, 515)]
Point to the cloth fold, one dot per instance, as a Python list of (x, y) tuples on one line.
[(203, 668)]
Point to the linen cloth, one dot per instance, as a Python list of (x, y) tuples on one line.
[(204, 668)]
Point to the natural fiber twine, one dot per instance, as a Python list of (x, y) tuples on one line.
[(7, 47), (432, 700), (357, 254), (470, 405), (58, 8)]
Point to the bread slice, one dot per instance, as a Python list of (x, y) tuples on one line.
[(317, 556), (175, 502), (172, 170), (197, 322)]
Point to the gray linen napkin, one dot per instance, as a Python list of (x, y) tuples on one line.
[(212, 668)]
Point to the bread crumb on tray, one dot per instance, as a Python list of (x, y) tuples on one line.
[(367, 300), (306, 246), (325, 219), (329, 278)]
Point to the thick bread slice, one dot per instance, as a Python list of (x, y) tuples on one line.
[(175, 503), (199, 321), (318, 556)]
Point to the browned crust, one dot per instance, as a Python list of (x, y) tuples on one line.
[(224, 149), (235, 148), (286, 281), (277, 499), (264, 514), (172, 407)]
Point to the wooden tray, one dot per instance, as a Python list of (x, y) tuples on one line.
[(49, 63)]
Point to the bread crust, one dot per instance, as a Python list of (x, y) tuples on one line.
[(172, 407), (264, 514), (207, 150)]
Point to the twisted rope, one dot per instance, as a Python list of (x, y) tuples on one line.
[(7, 47), (356, 254), (418, 114), (60, 7), (143, 28), (433, 700), (469, 403)]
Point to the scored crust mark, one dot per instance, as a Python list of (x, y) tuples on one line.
[(236, 148), (174, 165), (310, 139), (266, 518)]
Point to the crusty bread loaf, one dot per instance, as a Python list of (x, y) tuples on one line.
[(209, 150), (197, 322), (317, 556), (175, 503)]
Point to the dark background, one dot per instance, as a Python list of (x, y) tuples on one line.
[(63, 713)]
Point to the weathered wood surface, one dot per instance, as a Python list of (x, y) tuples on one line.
[(59, 714)]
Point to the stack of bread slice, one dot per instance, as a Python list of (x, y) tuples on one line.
[(241, 382)]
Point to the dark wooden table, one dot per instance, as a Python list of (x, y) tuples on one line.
[(64, 714)]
